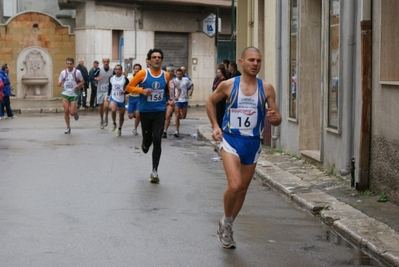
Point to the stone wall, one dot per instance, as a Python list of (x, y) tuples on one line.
[(36, 29), (384, 169)]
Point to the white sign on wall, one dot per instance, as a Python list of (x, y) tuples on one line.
[(209, 25), (9, 7)]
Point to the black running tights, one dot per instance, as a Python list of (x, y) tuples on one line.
[(152, 124)]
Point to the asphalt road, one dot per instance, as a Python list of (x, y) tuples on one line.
[(85, 200)]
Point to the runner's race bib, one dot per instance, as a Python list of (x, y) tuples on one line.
[(104, 87), (156, 96), (243, 118), (68, 86)]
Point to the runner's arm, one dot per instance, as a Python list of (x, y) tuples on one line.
[(109, 86), (222, 91), (273, 113), (132, 86), (125, 85)]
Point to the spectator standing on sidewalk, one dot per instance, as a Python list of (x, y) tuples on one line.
[(6, 92), (1, 98), (93, 85), (71, 80), (232, 70), (82, 93), (152, 85), (226, 63), (243, 125), (221, 75)]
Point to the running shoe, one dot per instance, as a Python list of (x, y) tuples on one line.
[(154, 177), (225, 235), (102, 125), (164, 135), (176, 134), (145, 149), (113, 128), (119, 133), (135, 132), (76, 115), (68, 131), (106, 122)]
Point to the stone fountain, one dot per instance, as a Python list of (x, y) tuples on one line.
[(34, 75)]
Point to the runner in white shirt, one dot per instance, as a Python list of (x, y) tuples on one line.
[(170, 105), (71, 80), (102, 75), (182, 84), (116, 97)]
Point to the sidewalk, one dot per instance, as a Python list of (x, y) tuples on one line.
[(358, 217), (48, 106)]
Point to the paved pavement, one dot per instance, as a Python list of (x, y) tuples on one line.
[(358, 217)]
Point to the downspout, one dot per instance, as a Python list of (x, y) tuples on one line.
[(366, 67), (135, 34), (276, 129), (233, 26), (121, 43), (348, 90)]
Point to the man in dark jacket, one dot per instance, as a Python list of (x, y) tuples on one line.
[(93, 85), (232, 70), (6, 93), (82, 96)]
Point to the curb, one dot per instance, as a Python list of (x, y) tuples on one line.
[(61, 110), (369, 234), (38, 110)]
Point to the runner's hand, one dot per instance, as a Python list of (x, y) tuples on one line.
[(217, 134)]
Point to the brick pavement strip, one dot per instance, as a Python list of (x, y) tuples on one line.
[(365, 232)]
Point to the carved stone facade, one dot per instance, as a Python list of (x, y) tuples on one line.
[(40, 32)]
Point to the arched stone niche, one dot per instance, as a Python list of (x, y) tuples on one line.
[(34, 74)]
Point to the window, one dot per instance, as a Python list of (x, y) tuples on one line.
[(333, 68), (293, 58), (117, 36), (389, 55), (9, 8)]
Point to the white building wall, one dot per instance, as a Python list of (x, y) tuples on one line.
[(288, 131), (94, 38), (93, 22), (204, 53)]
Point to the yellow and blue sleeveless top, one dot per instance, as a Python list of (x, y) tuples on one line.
[(157, 100), (244, 115)]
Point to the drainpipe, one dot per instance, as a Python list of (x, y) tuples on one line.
[(366, 67), (348, 89), (121, 43), (276, 129), (135, 34), (233, 26)]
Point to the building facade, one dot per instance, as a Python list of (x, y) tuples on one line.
[(124, 31), (332, 64)]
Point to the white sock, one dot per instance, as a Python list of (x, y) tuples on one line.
[(228, 220)]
